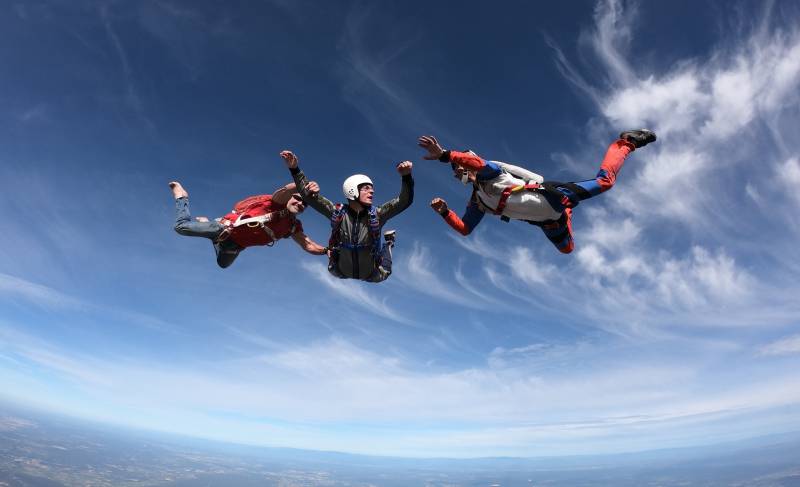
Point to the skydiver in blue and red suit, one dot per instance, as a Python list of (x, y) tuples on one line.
[(513, 192)]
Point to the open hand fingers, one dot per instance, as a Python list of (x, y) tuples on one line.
[(289, 158)]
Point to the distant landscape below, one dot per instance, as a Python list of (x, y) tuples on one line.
[(38, 450)]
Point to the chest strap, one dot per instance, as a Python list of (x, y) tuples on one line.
[(501, 205), (259, 220)]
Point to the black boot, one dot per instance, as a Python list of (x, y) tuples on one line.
[(638, 138)]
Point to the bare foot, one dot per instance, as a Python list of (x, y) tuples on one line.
[(177, 190)]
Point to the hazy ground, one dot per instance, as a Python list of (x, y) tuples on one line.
[(45, 451)]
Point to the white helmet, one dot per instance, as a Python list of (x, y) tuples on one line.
[(351, 184)]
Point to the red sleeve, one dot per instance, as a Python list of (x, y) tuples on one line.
[(456, 223), (467, 160)]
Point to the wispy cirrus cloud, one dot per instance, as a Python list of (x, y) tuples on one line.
[(788, 175), (48, 297), (518, 398), (419, 271), (37, 293), (39, 113), (132, 96), (355, 292), (666, 244), (785, 346), (372, 79)]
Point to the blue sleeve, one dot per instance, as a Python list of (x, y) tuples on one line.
[(473, 216), (490, 171)]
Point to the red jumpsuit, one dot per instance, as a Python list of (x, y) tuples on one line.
[(560, 197)]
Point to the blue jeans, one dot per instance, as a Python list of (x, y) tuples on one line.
[(226, 251)]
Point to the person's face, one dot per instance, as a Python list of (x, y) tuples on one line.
[(365, 193), (459, 173), (295, 204)]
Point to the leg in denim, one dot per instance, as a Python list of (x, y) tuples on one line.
[(184, 224), (226, 251)]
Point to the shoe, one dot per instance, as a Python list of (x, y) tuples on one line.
[(638, 138), (389, 236)]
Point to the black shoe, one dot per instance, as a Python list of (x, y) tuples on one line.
[(638, 138)]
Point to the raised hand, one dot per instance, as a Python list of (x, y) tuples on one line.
[(289, 158), (430, 144), (439, 206), (311, 188), (404, 168)]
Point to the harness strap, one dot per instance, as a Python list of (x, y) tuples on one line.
[(568, 195), (270, 233), (353, 246), (375, 231), (336, 222), (374, 223), (260, 219), (223, 235), (501, 205)]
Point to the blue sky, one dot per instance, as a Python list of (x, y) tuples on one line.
[(675, 322)]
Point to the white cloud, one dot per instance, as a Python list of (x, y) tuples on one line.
[(36, 293), (657, 263), (47, 297), (355, 292), (525, 268), (667, 242), (788, 175), (778, 64), (671, 185), (519, 396), (371, 79), (670, 105), (733, 94), (612, 236), (132, 97), (38, 113), (785, 346), (611, 36), (419, 271)]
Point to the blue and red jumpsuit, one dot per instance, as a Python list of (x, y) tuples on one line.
[(561, 197)]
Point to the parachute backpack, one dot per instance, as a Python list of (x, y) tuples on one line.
[(247, 226), (374, 230)]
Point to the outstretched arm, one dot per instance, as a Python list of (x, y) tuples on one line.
[(394, 206), (464, 225), (467, 160), (283, 194), (313, 198), (310, 246)]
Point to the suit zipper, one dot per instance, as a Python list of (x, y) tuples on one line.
[(354, 240)]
